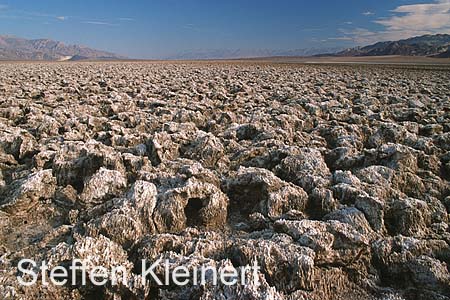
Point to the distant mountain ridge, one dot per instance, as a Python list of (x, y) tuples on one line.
[(247, 53), (15, 48), (437, 45)]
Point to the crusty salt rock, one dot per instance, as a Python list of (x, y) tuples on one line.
[(418, 263), (17, 142), (27, 192), (192, 203), (373, 209), (333, 242), (307, 169), (321, 202), (409, 217), (259, 190), (353, 217), (101, 186), (206, 148), (75, 161), (129, 219)]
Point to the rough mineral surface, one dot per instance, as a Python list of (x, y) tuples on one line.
[(334, 179)]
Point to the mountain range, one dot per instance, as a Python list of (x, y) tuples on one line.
[(437, 45), (248, 53), (15, 48)]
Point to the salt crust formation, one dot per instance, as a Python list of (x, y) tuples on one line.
[(334, 178)]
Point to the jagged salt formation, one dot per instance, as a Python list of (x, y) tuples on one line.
[(335, 179)]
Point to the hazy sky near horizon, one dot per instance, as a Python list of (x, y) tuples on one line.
[(160, 28)]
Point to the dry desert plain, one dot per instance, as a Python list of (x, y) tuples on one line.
[(333, 177)]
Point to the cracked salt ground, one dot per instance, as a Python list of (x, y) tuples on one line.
[(334, 178)]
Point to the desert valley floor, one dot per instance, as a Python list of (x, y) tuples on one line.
[(334, 178)]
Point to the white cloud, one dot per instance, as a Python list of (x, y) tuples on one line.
[(31, 15), (368, 13), (126, 19), (407, 21), (341, 38), (432, 17), (99, 23)]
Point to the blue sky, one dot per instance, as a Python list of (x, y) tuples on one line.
[(154, 29)]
